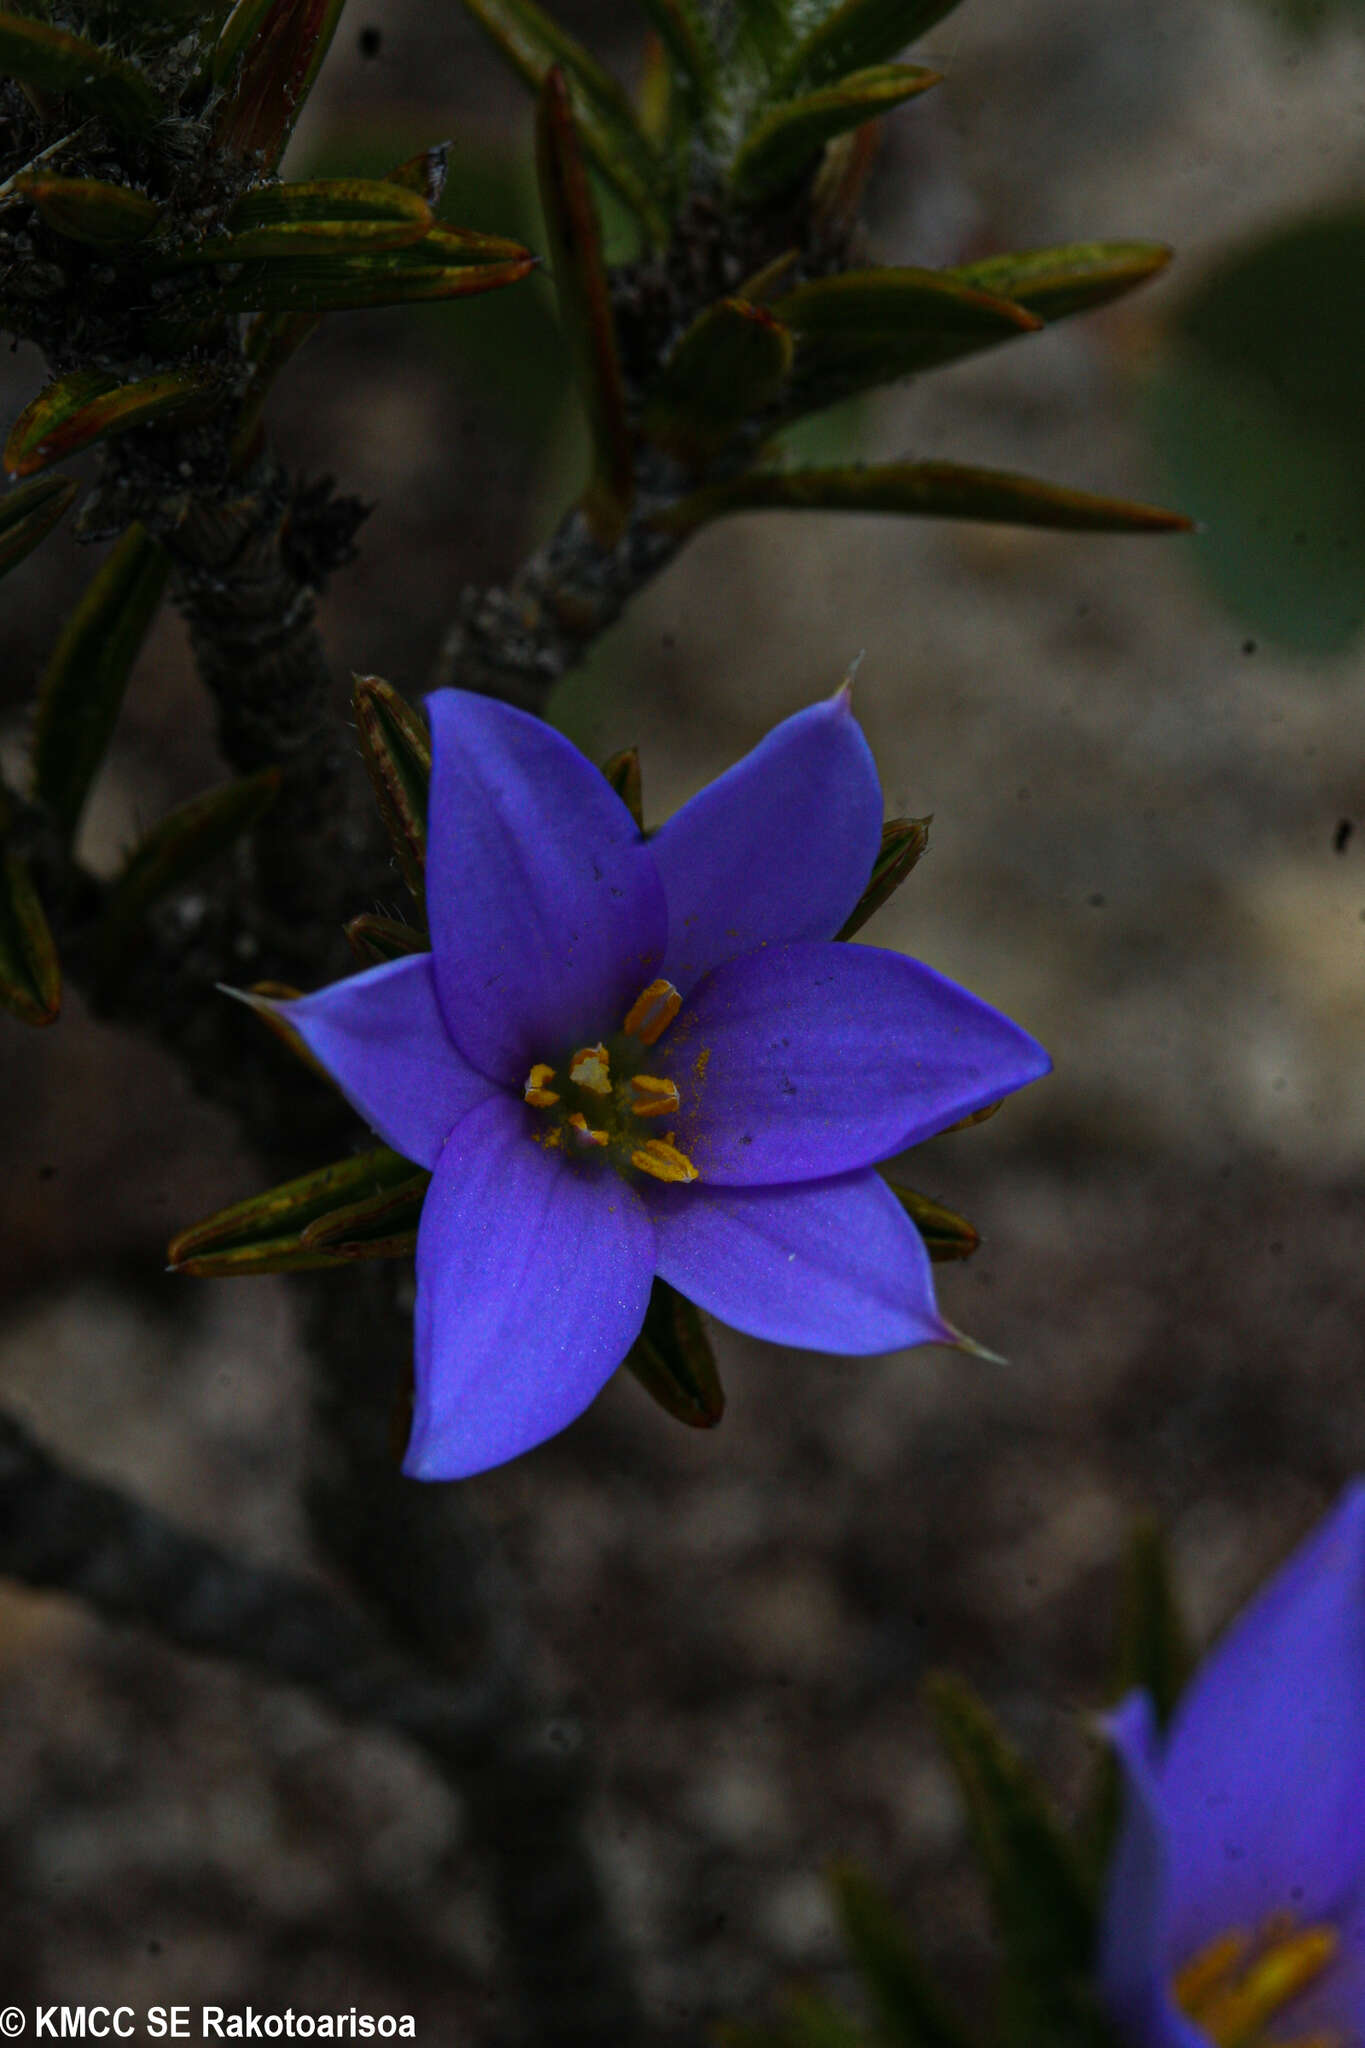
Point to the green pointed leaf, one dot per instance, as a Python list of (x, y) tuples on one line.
[(673, 1361), (1153, 1653), (1054, 283), (182, 844), (908, 2004), (575, 242), (54, 61), (868, 327), (28, 515), (319, 217), (611, 133), (265, 1234), (448, 263), (89, 210), (783, 141), (83, 684), (396, 747), (728, 367), (1043, 1908), (904, 840), (1154, 1649), (946, 1235), (30, 975), (854, 37), (931, 490), (377, 1226), (267, 61), (686, 37), (91, 405), (374, 939), (623, 773)]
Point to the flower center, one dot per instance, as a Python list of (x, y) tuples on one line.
[(601, 1103), (1234, 1986)]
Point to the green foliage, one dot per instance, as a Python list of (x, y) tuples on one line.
[(910, 2010), (937, 490), (89, 210), (728, 367), (1154, 1654), (396, 748), (575, 242), (374, 939), (266, 63), (947, 1236), (673, 1361), (783, 142), (51, 60), (904, 841), (534, 44), (623, 773), (179, 847), (28, 515), (83, 684), (1256, 411), (360, 1208), (30, 975), (1055, 283), (93, 405)]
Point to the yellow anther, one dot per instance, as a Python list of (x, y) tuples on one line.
[(586, 1134), (661, 1158), (536, 1092), (650, 1015), (651, 1096), (1233, 1988), (1208, 1970), (589, 1068)]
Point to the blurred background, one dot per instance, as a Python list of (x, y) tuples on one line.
[(1146, 765)]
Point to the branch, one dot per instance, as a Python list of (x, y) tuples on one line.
[(74, 1535), (517, 642), (519, 1770)]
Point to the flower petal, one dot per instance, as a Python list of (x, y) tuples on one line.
[(532, 1281), (779, 848), (547, 914), (800, 1062), (833, 1265), (1133, 1967), (381, 1037), (1263, 1778)]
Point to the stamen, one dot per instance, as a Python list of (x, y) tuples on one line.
[(586, 1134), (1234, 1987), (661, 1158), (650, 1015), (590, 1069), (651, 1096), (536, 1092), (1208, 1970)]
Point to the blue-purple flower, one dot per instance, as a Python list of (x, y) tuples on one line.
[(624, 1057), (1236, 1906)]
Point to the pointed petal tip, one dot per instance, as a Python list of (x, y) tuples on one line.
[(958, 1340), (245, 995), (842, 700)]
